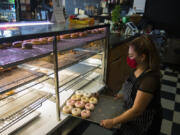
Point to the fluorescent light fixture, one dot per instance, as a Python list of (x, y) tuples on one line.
[(23, 24)]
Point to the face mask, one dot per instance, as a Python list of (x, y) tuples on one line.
[(131, 62)]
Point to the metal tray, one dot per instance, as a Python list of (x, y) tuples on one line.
[(17, 77), (106, 108)]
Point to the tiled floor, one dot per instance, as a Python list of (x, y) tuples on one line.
[(170, 99)]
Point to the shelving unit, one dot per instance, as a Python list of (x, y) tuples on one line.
[(31, 60)]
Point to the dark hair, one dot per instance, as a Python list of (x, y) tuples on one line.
[(144, 45)]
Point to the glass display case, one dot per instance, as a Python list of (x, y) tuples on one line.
[(7, 11), (36, 81)]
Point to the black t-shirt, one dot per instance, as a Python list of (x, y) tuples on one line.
[(150, 82)]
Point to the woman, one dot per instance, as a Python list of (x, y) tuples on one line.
[(143, 115)]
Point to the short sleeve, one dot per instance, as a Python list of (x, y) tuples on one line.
[(150, 84)]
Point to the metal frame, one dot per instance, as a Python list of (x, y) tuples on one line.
[(55, 56)]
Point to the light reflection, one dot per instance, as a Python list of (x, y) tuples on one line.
[(5, 25)]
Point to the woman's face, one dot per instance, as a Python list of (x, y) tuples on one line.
[(131, 53)]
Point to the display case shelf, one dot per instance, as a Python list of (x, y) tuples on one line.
[(17, 77), (15, 56)]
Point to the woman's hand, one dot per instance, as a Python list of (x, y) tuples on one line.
[(118, 96), (108, 123)]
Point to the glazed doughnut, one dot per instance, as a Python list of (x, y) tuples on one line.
[(87, 94), (89, 106), (26, 45), (50, 39), (82, 34), (85, 114), (7, 44), (70, 102), (17, 44), (67, 109), (65, 36), (85, 99), (35, 42), (79, 104), (76, 97), (79, 92), (74, 35), (2, 46), (43, 40), (93, 100), (88, 31), (76, 111), (10, 93)]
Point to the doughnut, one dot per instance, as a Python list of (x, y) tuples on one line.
[(7, 44), (35, 42), (94, 31), (10, 93), (50, 39), (93, 100), (58, 38), (85, 114), (70, 102), (88, 31), (87, 94), (76, 97), (17, 44), (102, 29), (89, 106), (76, 111), (79, 104), (43, 40), (79, 92), (82, 34), (74, 35), (26, 45), (65, 36), (85, 99), (67, 109), (2, 46)]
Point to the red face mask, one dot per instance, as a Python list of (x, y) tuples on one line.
[(131, 62)]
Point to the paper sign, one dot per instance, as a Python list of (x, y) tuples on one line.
[(58, 11)]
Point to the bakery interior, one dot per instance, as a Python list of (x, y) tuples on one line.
[(55, 51)]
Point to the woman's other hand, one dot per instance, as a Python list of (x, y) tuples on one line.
[(108, 123), (118, 96)]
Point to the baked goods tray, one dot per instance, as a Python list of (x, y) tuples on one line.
[(17, 77), (15, 56), (15, 108), (64, 61), (69, 44), (106, 108)]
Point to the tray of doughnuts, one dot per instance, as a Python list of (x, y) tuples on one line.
[(106, 107), (81, 104)]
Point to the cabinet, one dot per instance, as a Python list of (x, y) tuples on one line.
[(35, 83), (117, 70)]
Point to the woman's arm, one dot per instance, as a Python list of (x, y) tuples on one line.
[(141, 102)]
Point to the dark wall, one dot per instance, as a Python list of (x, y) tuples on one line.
[(164, 14), (70, 5)]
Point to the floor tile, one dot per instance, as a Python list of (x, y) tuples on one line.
[(177, 98), (175, 129), (170, 83), (178, 90), (170, 78), (168, 114), (178, 85), (167, 95), (177, 107), (168, 88), (166, 127), (167, 104), (170, 73), (176, 117)]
